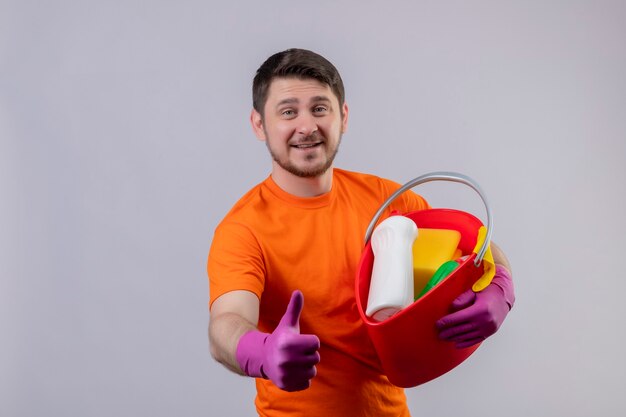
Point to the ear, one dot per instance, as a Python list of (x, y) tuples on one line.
[(344, 121), (257, 125)]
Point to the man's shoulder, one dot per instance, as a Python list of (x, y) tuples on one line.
[(363, 178), (368, 186), (344, 174), (247, 205)]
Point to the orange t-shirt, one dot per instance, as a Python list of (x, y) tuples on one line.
[(272, 243)]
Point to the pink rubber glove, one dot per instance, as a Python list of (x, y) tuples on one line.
[(476, 316), (285, 357)]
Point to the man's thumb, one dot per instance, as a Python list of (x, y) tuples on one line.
[(464, 300), (291, 318)]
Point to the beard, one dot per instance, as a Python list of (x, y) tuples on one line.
[(309, 171)]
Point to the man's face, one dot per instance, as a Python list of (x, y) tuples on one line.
[(302, 126)]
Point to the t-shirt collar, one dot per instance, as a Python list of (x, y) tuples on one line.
[(303, 202)]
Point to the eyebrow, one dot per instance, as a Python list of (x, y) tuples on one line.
[(294, 100)]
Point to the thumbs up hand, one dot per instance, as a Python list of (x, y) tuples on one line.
[(285, 356)]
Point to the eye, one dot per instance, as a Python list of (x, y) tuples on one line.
[(320, 109), (288, 113)]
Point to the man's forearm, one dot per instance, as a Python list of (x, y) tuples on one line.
[(499, 257), (225, 331)]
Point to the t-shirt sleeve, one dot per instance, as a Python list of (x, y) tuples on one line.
[(413, 201), (235, 261), (406, 202)]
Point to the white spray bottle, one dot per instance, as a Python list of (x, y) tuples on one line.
[(391, 286)]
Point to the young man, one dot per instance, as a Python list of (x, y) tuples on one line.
[(298, 236)]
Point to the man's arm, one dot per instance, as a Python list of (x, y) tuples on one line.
[(232, 315), (285, 356), (499, 257)]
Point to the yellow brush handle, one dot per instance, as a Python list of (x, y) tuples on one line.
[(488, 262)]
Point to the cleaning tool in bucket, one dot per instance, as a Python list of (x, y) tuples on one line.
[(391, 286), (432, 248), (442, 272), (407, 343)]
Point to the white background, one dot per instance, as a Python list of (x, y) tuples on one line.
[(124, 139)]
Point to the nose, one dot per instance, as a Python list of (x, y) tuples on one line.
[(306, 125)]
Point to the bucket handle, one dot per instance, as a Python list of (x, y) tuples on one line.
[(440, 176)]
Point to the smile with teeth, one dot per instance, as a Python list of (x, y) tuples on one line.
[(306, 145)]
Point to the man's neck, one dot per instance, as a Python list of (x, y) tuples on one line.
[(303, 187)]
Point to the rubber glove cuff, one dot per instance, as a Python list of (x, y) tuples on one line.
[(285, 356), (503, 280), (250, 353)]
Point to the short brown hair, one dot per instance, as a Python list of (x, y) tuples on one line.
[(298, 63)]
